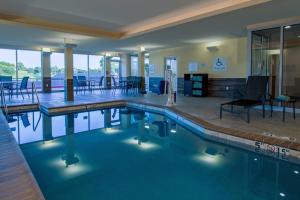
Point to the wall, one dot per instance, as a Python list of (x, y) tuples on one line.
[(234, 50)]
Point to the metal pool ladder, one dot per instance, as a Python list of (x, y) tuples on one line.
[(34, 93), (3, 101)]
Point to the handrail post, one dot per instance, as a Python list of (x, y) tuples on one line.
[(32, 91), (1, 94)]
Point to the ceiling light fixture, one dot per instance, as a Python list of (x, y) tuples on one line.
[(47, 50), (288, 27), (142, 49)]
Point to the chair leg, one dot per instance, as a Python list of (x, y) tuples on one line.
[(264, 110), (294, 110), (221, 111), (27, 93), (271, 104), (22, 93)]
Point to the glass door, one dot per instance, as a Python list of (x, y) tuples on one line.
[(291, 61), (266, 57), (115, 68), (171, 63)]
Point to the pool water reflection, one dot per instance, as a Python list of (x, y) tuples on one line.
[(127, 154)]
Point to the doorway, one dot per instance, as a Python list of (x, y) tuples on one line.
[(266, 57), (171, 63), (115, 68)]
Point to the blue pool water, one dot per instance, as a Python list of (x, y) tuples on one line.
[(127, 154)]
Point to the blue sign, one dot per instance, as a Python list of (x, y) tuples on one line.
[(219, 64)]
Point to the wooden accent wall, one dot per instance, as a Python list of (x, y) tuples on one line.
[(223, 87)]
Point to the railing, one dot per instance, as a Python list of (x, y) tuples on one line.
[(3, 101), (35, 94)]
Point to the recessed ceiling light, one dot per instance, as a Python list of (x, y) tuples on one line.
[(288, 27)]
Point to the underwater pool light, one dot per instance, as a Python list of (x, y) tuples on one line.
[(147, 126), (282, 194), (296, 172), (111, 131), (140, 144), (210, 156), (49, 144)]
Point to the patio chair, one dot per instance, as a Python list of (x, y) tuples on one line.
[(23, 86), (7, 84), (82, 82), (25, 120), (254, 95), (137, 84), (115, 85), (101, 83), (75, 83)]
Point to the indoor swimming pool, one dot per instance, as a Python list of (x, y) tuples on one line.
[(122, 153)]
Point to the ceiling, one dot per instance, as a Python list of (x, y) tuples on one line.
[(111, 14), (115, 15)]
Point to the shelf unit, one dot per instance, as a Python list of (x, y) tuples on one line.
[(196, 85)]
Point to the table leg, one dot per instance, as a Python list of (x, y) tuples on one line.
[(271, 104), (294, 110)]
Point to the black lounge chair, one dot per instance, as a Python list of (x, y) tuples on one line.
[(254, 95)]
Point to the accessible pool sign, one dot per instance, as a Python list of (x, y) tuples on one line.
[(219, 64)]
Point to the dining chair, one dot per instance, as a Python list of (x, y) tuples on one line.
[(7, 84), (82, 82), (75, 84), (101, 83), (23, 86)]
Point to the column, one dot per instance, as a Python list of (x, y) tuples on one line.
[(69, 90), (142, 70), (107, 72), (107, 118), (125, 118), (125, 65), (69, 156), (46, 72), (47, 128)]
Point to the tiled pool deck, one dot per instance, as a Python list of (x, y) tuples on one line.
[(202, 111)]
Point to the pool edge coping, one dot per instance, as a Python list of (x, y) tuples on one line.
[(19, 162), (263, 142)]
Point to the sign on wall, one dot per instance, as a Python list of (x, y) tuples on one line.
[(193, 67), (219, 64), (151, 68)]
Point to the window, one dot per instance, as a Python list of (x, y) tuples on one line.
[(115, 66), (29, 64), (8, 62), (134, 61), (96, 67), (80, 63), (57, 71)]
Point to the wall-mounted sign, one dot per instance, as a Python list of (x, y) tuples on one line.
[(193, 66), (151, 68), (219, 64)]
